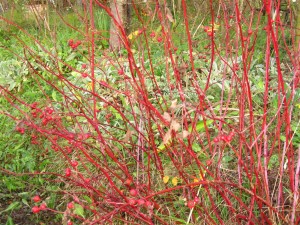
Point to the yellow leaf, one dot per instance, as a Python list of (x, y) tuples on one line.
[(201, 177), (163, 146), (130, 36), (89, 86), (77, 95), (175, 181), (298, 105), (133, 34), (166, 179), (216, 27)]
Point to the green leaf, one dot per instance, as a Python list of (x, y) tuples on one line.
[(283, 138), (78, 210), (25, 202), (196, 147), (273, 162), (163, 146), (178, 220), (54, 96), (9, 221), (88, 199), (71, 57), (24, 194), (200, 126), (227, 159), (12, 184), (11, 207), (17, 147)]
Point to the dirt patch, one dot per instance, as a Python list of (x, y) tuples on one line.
[(22, 214)]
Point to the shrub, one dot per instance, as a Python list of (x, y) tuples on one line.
[(163, 131)]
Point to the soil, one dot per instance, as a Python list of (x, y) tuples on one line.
[(22, 215)]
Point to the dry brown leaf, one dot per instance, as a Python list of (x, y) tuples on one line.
[(174, 125), (173, 104), (167, 116), (185, 134), (127, 136), (169, 15), (167, 137)]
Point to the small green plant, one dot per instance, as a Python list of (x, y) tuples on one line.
[(13, 74)]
